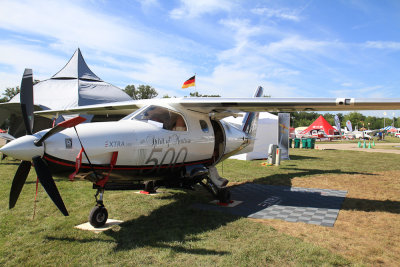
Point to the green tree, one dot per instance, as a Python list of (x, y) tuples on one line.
[(141, 92), (10, 92), (303, 118), (330, 118), (196, 94), (130, 90), (356, 119), (146, 92)]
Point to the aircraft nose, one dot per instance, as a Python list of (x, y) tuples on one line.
[(23, 148)]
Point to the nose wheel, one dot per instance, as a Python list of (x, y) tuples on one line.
[(98, 215)]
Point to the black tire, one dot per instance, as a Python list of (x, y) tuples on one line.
[(149, 186), (98, 216), (224, 195)]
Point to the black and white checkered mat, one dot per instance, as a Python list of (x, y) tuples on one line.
[(292, 204)]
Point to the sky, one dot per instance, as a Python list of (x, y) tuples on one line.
[(296, 48)]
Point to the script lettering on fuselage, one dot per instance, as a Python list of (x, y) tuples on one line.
[(165, 141)]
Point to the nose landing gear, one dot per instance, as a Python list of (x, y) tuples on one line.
[(98, 215)]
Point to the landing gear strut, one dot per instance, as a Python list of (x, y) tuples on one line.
[(217, 185), (221, 193), (99, 215)]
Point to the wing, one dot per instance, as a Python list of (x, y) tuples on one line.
[(228, 105), (115, 108)]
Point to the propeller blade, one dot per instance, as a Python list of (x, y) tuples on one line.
[(46, 180), (26, 100), (61, 126), (19, 181)]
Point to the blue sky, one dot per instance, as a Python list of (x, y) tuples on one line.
[(291, 48)]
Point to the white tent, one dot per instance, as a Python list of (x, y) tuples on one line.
[(267, 133), (74, 85)]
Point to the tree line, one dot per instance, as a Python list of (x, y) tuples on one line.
[(303, 118)]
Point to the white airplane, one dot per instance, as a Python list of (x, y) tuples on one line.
[(171, 142)]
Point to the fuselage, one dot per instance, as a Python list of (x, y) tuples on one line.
[(145, 147)]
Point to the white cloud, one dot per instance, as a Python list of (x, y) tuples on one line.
[(346, 84), (19, 57), (284, 14), (9, 80), (161, 72), (112, 46), (234, 81), (65, 25), (295, 43), (194, 9), (232, 50), (148, 3), (243, 30), (375, 91), (383, 45)]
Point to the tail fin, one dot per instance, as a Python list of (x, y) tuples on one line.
[(250, 120)]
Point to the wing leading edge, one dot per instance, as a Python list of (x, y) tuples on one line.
[(217, 104)]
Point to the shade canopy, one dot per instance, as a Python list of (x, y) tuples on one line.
[(320, 124), (74, 85)]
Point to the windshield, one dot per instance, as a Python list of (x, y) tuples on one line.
[(133, 114)]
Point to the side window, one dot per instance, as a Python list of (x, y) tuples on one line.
[(177, 122), (204, 126), (162, 118)]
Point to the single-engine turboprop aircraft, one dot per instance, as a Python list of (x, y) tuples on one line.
[(171, 142)]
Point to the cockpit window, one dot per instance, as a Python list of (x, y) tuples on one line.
[(162, 118)]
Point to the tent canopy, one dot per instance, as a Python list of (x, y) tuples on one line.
[(320, 124), (389, 129), (74, 85)]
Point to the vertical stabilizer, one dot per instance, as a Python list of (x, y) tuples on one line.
[(250, 120)]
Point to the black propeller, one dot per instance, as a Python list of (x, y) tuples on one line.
[(19, 181), (46, 180), (26, 100), (41, 168)]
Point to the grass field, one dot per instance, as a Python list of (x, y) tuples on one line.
[(165, 230)]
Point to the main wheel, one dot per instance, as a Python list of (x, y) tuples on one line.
[(149, 186), (224, 195), (98, 216)]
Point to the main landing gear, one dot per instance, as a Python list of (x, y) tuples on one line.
[(99, 215), (217, 186)]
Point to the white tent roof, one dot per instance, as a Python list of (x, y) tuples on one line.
[(76, 68), (74, 85)]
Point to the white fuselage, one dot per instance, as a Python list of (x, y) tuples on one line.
[(142, 145)]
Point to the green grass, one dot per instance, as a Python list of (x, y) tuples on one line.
[(164, 229), (305, 163)]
